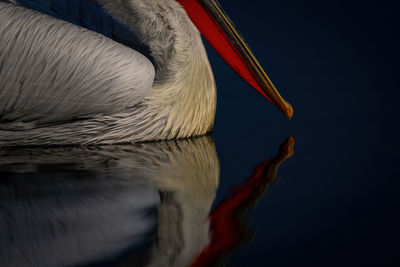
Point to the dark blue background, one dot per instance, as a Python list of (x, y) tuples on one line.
[(337, 200)]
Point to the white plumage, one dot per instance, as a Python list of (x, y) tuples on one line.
[(54, 71), (62, 84)]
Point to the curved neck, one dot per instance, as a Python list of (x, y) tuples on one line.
[(184, 92)]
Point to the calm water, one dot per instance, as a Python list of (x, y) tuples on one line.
[(224, 199), (135, 205)]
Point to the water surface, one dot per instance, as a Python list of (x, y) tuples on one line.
[(335, 202), (135, 205)]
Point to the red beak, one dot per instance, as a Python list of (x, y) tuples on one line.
[(218, 30)]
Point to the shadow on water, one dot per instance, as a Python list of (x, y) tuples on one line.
[(131, 205)]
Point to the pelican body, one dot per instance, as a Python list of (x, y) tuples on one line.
[(106, 71)]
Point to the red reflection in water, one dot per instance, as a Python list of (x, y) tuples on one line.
[(229, 227)]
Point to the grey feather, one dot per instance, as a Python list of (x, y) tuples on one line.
[(52, 71), (116, 105)]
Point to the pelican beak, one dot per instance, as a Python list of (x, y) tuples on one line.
[(219, 31)]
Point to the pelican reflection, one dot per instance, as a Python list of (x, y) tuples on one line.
[(142, 204), (132, 205)]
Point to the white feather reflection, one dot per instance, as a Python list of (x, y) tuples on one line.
[(96, 205)]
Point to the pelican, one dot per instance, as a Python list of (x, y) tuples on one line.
[(115, 71), (142, 204)]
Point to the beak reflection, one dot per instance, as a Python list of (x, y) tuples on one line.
[(141, 204)]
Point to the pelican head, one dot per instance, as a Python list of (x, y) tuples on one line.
[(217, 28), (214, 25), (149, 80)]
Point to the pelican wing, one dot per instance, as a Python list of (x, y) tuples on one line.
[(52, 71), (90, 15)]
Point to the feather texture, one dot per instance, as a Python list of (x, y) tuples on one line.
[(111, 94), (88, 14), (52, 71)]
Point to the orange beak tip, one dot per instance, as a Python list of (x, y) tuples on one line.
[(288, 110), (289, 113)]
